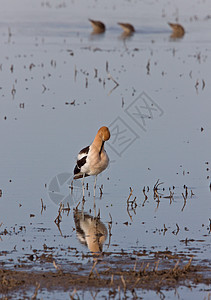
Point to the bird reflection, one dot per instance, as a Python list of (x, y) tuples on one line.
[(98, 26), (91, 232), (125, 35), (178, 30)]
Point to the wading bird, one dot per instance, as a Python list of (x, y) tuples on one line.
[(128, 28), (178, 30), (93, 159), (98, 26)]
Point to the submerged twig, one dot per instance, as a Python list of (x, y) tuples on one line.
[(106, 66), (93, 267), (170, 197), (131, 203), (110, 77), (43, 206), (73, 294), (148, 67), (165, 229), (44, 88), (36, 291), (13, 91), (116, 84), (75, 73), (57, 267), (112, 279), (58, 219), (156, 265), (144, 196), (123, 282), (187, 266), (175, 232), (109, 231), (176, 265), (131, 192), (185, 201)]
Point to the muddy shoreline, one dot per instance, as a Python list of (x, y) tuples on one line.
[(147, 275)]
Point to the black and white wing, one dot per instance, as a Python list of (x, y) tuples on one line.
[(81, 160)]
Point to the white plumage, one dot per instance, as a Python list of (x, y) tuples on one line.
[(93, 159)]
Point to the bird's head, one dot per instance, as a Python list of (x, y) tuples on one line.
[(104, 133)]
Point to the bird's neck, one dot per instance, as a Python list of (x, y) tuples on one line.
[(98, 144), (102, 147)]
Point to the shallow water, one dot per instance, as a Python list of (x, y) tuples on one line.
[(54, 95), (175, 294)]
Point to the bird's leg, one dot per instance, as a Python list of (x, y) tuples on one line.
[(82, 209), (83, 186), (94, 208), (95, 185)]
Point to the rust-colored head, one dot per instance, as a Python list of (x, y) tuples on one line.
[(177, 28), (98, 26), (104, 133), (128, 28)]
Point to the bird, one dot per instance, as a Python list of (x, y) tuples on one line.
[(128, 28), (93, 159), (98, 26), (91, 232), (178, 30)]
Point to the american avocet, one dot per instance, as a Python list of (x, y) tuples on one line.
[(93, 159), (178, 30), (91, 232), (128, 28), (98, 26)]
